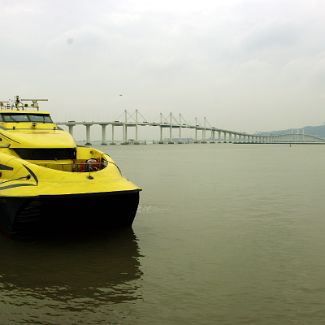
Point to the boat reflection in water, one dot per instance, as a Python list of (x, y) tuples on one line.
[(97, 267)]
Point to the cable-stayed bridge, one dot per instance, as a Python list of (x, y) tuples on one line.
[(174, 127)]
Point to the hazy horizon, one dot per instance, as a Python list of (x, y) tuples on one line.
[(245, 65)]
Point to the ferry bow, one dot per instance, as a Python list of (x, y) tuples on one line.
[(50, 184)]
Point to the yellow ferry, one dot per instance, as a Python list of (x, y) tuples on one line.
[(49, 183)]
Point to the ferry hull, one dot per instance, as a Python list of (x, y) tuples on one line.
[(23, 216)]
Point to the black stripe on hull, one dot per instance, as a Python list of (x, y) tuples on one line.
[(1, 134), (5, 167), (14, 185), (67, 213)]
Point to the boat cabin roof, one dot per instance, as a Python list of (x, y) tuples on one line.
[(9, 111), (15, 116)]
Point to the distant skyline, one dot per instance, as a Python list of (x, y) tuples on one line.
[(247, 65)]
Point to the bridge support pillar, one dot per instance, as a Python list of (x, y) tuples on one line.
[(125, 134), (113, 142), (204, 131), (213, 136), (203, 140), (180, 141), (196, 127), (171, 129), (161, 129), (71, 128), (195, 137), (136, 128), (125, 128), (88, 125), (136, 140), (161, 135), (104, 134)]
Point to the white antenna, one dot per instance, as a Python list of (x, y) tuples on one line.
[(4, 103), (34, 101)]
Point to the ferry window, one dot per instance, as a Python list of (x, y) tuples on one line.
[(1, 118), (15, 118), (40, 118)]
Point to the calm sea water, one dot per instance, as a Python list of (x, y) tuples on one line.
[(225, 234)]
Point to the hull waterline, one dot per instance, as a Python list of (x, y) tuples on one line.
[(24, 216)]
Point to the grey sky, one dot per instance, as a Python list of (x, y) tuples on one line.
[(245, 64)]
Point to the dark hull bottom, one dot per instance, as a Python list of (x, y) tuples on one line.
[(67, 213)]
